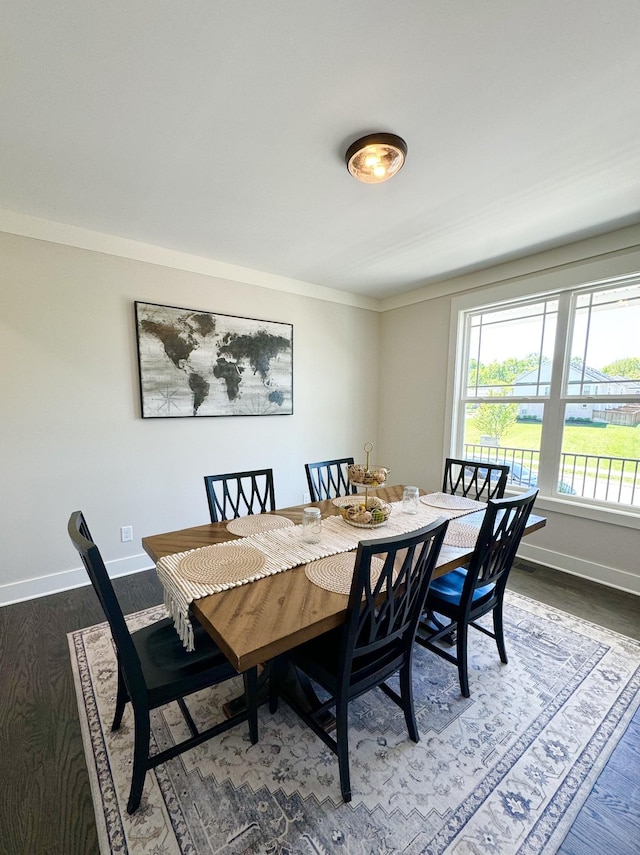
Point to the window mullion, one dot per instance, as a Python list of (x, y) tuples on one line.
[(553, 421)]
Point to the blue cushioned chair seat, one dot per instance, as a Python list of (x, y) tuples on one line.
[(449, 587)]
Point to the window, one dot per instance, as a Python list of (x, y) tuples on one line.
[(551, 386)]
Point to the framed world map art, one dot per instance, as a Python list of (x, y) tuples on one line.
[(195, 363)]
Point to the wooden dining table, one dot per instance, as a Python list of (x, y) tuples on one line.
[(254, 622)]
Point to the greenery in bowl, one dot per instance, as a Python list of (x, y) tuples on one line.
[(364, 512)]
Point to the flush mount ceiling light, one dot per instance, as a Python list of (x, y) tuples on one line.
[(376, 157)]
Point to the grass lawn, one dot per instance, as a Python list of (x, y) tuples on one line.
[(610, 441)]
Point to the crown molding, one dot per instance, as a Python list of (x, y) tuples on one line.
[(615, 242), (25, 225)]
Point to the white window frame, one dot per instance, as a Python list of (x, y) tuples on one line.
[(558, 285)]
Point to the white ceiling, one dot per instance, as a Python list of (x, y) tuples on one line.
[(218, 128)]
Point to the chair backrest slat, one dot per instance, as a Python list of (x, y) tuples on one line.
[(329, 479), (500, 534), (238, 494), (479, 480), (383, 612)]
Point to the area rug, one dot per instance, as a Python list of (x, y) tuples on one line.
[(504, 771)]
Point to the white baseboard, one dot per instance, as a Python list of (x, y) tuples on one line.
[(623, 580), (30, 589)]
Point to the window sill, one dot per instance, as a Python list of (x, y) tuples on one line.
[(611, 516)]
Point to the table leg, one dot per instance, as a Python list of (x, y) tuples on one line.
[(293, 683), (239, 704)]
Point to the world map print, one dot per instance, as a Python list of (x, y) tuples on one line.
[(196, 363)]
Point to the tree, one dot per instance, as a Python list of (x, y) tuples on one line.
[(628, 367), (495, 419)]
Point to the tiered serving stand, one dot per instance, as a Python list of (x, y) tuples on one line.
[(362, 510)]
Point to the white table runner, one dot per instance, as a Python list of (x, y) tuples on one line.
[(284, 549)]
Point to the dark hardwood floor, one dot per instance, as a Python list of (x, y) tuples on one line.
[(596, 603), (45, 801)]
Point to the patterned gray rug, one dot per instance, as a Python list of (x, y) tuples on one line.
[(504, 771)]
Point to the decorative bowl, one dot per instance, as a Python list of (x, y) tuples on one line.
[(353, 511), (368, 476)]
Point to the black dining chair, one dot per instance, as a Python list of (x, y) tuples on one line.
[(239, 494), (466, 594), (154, 669), (329, 479), (479, 480), (375, 642)]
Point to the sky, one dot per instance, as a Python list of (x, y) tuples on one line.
[(614, 333)]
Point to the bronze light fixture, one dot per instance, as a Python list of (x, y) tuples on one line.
[(376, 157)]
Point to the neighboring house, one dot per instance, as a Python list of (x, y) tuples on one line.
[(585, 381)]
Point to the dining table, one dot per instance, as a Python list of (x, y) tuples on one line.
[(255, 622)]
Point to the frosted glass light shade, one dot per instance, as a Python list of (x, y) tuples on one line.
[(376, 157)]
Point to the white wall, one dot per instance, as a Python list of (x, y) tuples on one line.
[(417, 344), (414, 345), (72, 437)]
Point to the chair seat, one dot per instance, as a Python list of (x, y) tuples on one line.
[(448, 588), (168, 668)]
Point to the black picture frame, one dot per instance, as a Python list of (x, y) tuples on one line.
[(197, 363)]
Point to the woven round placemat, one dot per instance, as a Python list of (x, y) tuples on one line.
[(445, 500), (221, 564), (257, 523), (461, 534), (335, 572)]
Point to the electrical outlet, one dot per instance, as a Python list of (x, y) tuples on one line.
[(306, 498), (126, 533)]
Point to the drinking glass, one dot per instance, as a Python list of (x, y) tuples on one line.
[(410, 497), (311, 525)]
